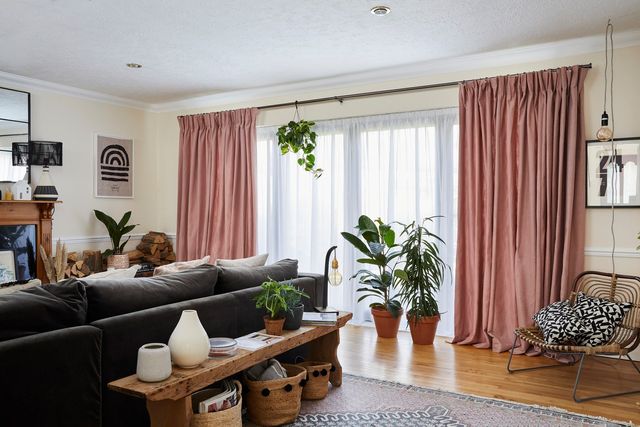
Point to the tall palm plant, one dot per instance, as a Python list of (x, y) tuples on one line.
[(424, 270)]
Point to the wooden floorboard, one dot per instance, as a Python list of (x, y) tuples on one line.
[(481, 372)]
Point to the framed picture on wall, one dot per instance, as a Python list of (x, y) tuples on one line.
[(7, 266), (613, 176), (113, 164)]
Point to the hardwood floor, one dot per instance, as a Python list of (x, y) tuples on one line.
[(481, 372)]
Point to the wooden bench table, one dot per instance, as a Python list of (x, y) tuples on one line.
[(169, 401)]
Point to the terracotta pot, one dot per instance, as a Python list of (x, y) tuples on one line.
[(273, 326), (424, 330), (386, 325), (118, 261)]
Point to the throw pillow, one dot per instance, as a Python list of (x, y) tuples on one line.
[(254, 261), (5, 290), (42, 308), (603, 315), (560, 324), (180, 266), (123, 273)]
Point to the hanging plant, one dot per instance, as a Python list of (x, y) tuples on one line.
[(299, 138)]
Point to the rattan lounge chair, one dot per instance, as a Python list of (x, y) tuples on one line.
[(619, 288)]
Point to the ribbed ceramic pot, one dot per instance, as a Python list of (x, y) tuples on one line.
[(154, 362), (189, 342), (118, 262)]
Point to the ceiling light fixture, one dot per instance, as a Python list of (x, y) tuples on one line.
[(380, 10), (133, 65)]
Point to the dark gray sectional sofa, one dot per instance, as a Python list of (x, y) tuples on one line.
[(60, 345)]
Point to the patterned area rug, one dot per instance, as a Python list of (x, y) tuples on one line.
[(368, 402)]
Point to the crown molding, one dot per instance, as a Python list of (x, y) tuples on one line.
[(30, 84), (505, 57), (518, 55)]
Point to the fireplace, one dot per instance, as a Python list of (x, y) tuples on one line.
[(21, 240), (25, 226)]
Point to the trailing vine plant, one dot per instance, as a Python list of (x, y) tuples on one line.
[(299, 138)]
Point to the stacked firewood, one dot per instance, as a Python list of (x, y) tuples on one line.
[(83, 265), (155, 248)]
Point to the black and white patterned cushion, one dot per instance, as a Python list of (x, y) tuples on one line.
[(560, 324), (604, 317)]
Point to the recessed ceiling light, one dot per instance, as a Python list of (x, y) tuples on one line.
[(380, 10), (133, 65)]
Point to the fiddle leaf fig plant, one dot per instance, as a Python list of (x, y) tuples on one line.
[(377, 242), (299, 138)]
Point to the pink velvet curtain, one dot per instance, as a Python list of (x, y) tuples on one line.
[(216, 189), (521, 201)]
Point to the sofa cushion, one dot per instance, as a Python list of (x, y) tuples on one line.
[(235, 278), (109, 298), (42, 309)]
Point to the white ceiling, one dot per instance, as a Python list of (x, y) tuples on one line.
[(197, 47)]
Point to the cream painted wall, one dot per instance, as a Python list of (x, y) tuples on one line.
[(74, 121), (627, 111)]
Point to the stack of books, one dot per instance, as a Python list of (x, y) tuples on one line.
[(311, 318), (223, 397)]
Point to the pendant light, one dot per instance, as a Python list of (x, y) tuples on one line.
[(605, 133), (608, 134)]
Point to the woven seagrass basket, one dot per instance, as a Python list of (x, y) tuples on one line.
[(231, 417), (276, 402), (317, 385)]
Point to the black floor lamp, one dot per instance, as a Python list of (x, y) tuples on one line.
[(332, 277)]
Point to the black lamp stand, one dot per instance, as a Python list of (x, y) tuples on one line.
[(325, 284)]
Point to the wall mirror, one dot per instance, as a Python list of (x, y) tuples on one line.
[(15, 126)]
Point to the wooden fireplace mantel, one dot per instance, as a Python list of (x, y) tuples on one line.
[(37, 212)]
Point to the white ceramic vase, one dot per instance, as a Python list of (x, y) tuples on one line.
[(189, 342), (154, 362)]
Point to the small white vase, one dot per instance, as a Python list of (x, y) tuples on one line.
[(154, 362), (189, 342)]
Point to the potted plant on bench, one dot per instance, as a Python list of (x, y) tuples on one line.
[(116, 257), (377, 243), (420, 279), (276, 299)]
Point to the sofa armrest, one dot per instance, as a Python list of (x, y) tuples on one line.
[(318, 283), (52, 378)]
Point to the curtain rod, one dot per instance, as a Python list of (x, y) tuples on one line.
[(341, 98)]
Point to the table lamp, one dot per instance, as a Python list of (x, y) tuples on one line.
[(45, 154), (333, 278)]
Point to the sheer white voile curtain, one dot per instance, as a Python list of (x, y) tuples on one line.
[(398, 167)]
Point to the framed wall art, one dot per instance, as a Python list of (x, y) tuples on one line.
[(613, 176), (113, 163), (7, 266)]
